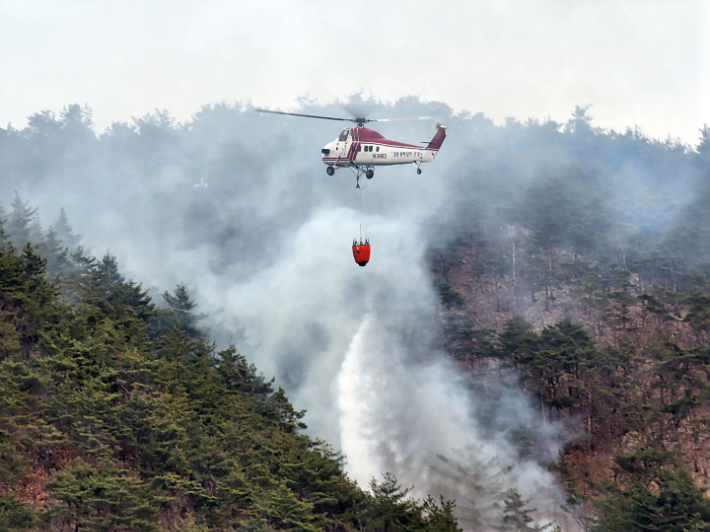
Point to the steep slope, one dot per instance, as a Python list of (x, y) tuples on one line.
[(616, 353), (588, 273)]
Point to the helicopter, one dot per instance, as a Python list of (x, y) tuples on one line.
[(363, 149)]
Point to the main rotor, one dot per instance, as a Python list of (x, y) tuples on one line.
[(359, 121)]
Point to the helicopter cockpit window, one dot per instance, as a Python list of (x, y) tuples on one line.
[(344, 135)]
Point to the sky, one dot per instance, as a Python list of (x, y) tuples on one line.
[(637, 63)]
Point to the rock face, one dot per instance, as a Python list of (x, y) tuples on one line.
[(653, 391)]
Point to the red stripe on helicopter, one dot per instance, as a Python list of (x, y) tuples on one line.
[(353, 151)]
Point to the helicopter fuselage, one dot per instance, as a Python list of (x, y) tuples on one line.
[(363, 147)]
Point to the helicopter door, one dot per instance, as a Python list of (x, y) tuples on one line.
[(343, 143)]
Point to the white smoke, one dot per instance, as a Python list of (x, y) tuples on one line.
[(265, 251), (419, 421), (358, 348)]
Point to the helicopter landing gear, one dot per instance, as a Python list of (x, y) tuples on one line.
[(370, 174), (418, 164), (330, 170)]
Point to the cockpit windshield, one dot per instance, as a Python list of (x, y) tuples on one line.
[(344, 135)]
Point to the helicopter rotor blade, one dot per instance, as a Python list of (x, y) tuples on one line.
[(399, 119), (305, 116), (357, 120)]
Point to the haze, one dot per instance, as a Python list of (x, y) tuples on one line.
[(636, 63), (238, 207)]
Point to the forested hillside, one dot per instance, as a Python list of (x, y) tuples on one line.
[(550, 260), (593, 282), (116, 414)]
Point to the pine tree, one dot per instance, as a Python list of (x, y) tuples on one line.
[(279, 409), (64, 232), (181, 315), (481, 482), (19, 222), (678, 506), (101, 499), (238, 374), (75, 280), (392, 508), (3, 232), (439, 515), (703, 149), (36, 231), (180, 301), (55, 254), (516, 517), (16, 515), (681, 503)]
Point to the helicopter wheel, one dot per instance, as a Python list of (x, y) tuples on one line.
[(419, 171), (370, 174), (330, 170)]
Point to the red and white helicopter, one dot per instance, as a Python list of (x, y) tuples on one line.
[(363, 149)]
